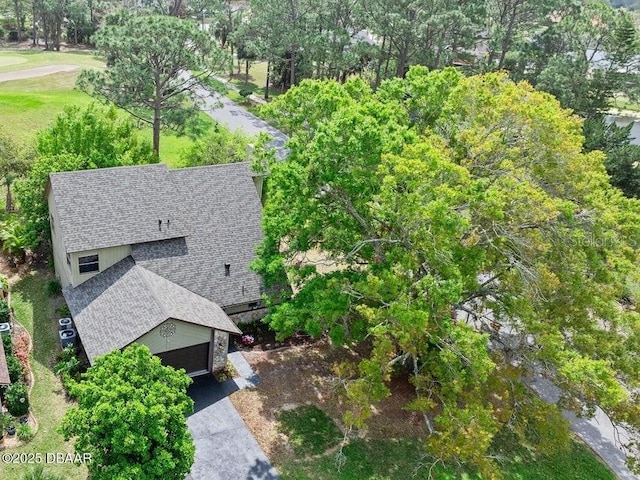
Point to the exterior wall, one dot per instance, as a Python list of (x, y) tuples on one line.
[(63, 272), (185, 335), (220, 349), (247, 316), (106, 258)]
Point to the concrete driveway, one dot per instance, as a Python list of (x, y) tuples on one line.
[(225, 448)]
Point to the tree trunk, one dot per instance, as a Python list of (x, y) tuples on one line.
[(231, 66), (35, 29), (376, 82), (9, 204), (246, 71), (266, 85), (292, 79)]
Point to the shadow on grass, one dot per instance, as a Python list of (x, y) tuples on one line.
[(34, 310)]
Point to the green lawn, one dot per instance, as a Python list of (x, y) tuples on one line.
[(399, 459), (311, 432), (34, 310), (30, 105), (27, 106), (257, 79)]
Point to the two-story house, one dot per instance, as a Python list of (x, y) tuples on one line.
[(160, 257)]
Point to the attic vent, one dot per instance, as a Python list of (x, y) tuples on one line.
[(159, 225), (227, 269)]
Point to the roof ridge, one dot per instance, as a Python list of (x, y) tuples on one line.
[(151, 289), (101, 169)]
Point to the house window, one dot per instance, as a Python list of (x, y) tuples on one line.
[(227, 269), (88, 264)]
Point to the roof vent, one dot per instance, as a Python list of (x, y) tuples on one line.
[(227, 269), (159, 225)]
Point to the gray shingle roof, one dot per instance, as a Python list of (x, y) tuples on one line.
[(107, 207), (224, 213), (124, 302)]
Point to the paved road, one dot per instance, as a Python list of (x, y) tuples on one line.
[(597, 432), (235, 117), (225, 448), (36, 72)]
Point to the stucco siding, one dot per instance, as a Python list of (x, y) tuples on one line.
[(106, 258), (184, 335), (59, 253)]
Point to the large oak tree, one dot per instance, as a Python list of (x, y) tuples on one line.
[(475, 244)]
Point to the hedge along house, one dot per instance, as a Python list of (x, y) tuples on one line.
[(160, 257)]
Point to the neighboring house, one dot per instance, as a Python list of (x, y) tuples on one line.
[(160, 257)]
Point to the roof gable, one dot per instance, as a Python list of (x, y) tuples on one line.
[(121, 304)]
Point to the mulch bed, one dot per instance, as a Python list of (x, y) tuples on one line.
[(265, 338)]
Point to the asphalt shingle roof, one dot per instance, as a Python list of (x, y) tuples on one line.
[(108, 207), (224, 213), (118, 306)]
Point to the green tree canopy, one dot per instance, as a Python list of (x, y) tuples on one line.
[(475, 242), (131, 417), (150, 73), (219, 145)]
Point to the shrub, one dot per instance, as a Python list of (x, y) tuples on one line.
[(24, 432), (5, 314), (14, 366), (53, 288), (63, 311), (68, 367), (245, 92), (17, 398), (7, 343), (4, 283)]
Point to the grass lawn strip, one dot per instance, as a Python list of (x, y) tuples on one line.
[(35, 312)]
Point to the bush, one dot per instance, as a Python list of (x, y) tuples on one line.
[(63, 311), (24, 432), (4, 283), (17, 398), (5, 314), (245, 92), (69, 368), (53, 288), (16, 372), (7, 343)]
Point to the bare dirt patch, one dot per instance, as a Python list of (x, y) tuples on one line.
[(301, 375)]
